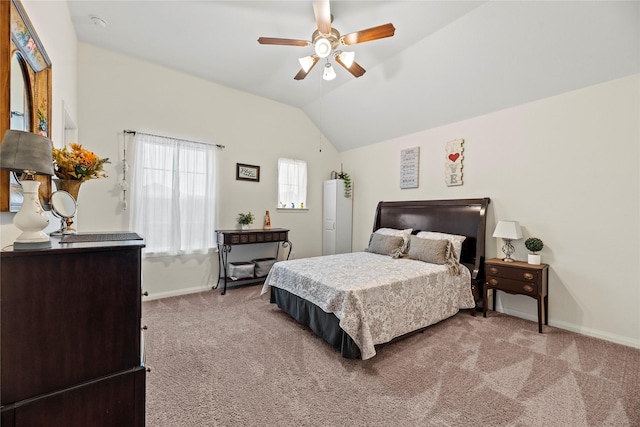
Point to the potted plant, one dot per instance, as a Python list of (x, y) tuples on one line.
[(245, 219), (347, 183), (534, 245)]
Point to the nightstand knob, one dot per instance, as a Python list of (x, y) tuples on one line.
[(493, 270), (527, 288), (528, 276), (493, 282)]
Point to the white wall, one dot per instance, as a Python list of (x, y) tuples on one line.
[(118, 92), (566, 167), (53, 25)]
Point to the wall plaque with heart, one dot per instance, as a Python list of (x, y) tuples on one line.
[(453, 162)]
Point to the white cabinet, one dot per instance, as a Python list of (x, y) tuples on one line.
[(336, 219)]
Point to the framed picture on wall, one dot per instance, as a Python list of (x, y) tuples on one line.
[(247, 172)]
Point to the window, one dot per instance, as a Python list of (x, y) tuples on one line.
[(173, 194), (292, 183)]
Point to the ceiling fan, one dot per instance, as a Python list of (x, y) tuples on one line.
[(327, 41)]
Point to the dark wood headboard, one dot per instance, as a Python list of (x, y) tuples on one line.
[(466, 217)]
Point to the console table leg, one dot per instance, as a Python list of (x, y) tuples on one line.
[(484, 300), (288, 244), (540, 315), (546, 309), (223, 256)]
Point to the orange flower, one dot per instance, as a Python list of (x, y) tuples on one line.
[(77, 164)]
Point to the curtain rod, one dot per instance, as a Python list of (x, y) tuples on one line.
[(169, 137)]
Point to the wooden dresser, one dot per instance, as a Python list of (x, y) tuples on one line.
[(70, 343)]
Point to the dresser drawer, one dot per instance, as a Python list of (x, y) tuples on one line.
[(515, 273), (511, 285)]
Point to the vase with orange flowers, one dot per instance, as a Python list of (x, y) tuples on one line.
[(74, 165)]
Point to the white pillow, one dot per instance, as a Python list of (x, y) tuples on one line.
[(455, 239), (405, 234)]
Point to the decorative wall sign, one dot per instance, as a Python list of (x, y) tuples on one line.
[(247, 172), (409, 167), (453, 162)]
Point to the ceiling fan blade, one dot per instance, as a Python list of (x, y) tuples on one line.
[(322, 10), (374, 33), (354, 69), (302, 73), (283, 42)]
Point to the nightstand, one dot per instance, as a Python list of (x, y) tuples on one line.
[(518, 278)]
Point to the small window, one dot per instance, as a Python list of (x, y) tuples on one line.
[(292, 184)]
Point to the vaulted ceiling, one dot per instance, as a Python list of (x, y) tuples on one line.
[(448, 60)]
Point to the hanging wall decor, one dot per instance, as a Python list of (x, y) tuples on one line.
[(409, 167), (25, 94), (247, 172), (453, 162)]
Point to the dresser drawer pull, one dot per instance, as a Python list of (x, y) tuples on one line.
[(493, 282), (528, 276), (528, 288), (493, 270)]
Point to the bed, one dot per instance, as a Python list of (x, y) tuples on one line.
[(358, 300)]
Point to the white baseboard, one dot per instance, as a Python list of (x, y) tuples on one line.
[(177, 292), (595, 333)]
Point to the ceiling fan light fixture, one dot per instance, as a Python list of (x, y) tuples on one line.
[(323, 47), (346, 58), (306, 63), (329, 72)]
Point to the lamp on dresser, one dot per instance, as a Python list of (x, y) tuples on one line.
[(28, 154), (508, 231)]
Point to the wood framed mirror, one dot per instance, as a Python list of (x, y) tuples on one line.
[(25, 95)]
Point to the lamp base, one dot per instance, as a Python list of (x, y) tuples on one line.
[(27, 246), (508, 249), (31, 219)]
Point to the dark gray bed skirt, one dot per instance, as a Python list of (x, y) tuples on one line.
[(325, 325)]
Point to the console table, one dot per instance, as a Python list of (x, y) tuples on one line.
[(229, 238)]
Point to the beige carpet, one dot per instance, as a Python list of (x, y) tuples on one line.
[(236, 360)]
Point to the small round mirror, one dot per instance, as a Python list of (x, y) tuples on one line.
[(63, 205)]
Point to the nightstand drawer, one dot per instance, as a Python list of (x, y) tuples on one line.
[(515, 273), (510, 285)]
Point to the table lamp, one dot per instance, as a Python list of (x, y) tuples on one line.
[(28, 154), (508, 231)]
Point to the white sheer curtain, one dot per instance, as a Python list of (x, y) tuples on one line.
[(173, 194), (292, 183)]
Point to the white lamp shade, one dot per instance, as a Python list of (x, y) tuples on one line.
[(306, 63), (347, 58), (508, 230), (329, 72)]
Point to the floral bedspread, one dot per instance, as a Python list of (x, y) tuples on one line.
[(375, 297)]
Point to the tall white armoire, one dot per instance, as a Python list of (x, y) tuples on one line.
[(336, 219)]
